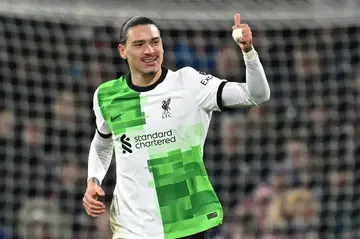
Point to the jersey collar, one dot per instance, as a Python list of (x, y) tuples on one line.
[(145, 88)]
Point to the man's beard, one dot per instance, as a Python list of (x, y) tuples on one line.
[(151, 73)]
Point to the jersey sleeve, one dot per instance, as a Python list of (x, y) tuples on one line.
[(205, 88), (101, 125)]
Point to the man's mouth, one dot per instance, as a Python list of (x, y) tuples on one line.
[(149, 60)]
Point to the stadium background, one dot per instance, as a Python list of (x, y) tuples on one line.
[(285, 169)]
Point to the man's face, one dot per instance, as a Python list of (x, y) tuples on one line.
[(143, 49)]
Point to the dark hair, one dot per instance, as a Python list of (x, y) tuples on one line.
[(132, 22)]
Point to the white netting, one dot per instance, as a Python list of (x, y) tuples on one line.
[(270, 165)]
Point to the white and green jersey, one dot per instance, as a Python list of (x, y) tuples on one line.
[(162, 188), (158, 134)]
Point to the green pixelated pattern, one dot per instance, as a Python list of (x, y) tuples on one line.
[(185, 194), (120, 106)]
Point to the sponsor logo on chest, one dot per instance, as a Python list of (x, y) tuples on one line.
[(141, 141)]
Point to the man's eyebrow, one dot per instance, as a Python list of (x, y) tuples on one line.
[(142, 41), (138, 41)]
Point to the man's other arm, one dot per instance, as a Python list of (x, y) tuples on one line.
[(101, 148)]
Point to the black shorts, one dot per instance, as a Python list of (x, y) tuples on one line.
[(200, 235)]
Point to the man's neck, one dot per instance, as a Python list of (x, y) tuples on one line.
[(145, 79)]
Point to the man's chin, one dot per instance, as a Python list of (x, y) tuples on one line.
[(150, 72)]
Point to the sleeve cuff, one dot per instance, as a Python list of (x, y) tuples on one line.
[(219, 96), (251, 55), (95, 180), (105, 136)]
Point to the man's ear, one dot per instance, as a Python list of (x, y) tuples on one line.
[(122, 51)]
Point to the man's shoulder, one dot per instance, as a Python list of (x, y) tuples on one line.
[(186, 74), (109, 89), (186, 70), (192, 77), (111, 86), (111, 83)]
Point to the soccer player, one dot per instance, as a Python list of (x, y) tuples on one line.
[(157, 119)]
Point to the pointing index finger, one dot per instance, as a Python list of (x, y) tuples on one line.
[(237, 19)]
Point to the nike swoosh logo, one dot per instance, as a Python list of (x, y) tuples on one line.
[(115, 117)]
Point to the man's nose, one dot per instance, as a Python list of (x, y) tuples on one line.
[(149, 49)]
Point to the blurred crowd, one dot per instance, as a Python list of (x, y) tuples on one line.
[(285, 169)]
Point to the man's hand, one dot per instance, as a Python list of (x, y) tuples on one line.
[(245, 42), (93, 207)]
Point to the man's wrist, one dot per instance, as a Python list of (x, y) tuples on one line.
[(248, 48), (94, 180), (250, 55)]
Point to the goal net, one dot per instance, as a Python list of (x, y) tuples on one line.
[(286, 168)]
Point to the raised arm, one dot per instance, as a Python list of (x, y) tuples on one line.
[(256, 90), (214, 94)]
